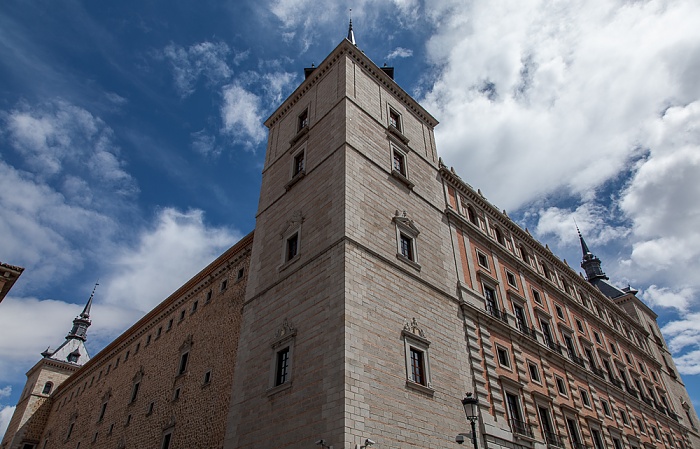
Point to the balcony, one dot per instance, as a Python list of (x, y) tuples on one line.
[(496, 313), (553, 346), (529, 331), (597, 371), (616, 382), (577, 360), (521, 428), (553, 439)]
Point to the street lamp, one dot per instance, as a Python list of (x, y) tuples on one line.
[(471, 405)]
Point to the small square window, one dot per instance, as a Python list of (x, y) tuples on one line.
[(511, 279), (503, 357), (208, 297), (282, 367), (136, 349), (241, 272), (585, 398), (224, 285), (560, 312), (303, 121), (182, 315), (148, 340), (170, 325), (536, 296), (534, 372), (158, 332), (597, 338), (292, 247), (606, 407), (483, 260), (194, 306), (561, 386)]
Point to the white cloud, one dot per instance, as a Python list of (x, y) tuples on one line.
[(277, 86), (657, 297), (400, 52), (684, 335), (207, 59), (593, 221), (177, 246), (205, 144), (552, 106), (241, 114), (5, 417), (5, 392)]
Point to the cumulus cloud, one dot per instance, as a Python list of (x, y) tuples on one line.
[(666, 297), (241, 114), (277, 86), (5, 392), (175, 248), (400, 52), (204, 59), (204, 143), (5, 417), (593, 220)]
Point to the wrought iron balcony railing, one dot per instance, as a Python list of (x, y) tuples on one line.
[(597, 371), (521, 428), (553, 439), (496, 313)]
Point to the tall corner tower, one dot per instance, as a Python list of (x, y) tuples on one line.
[(351, 325), (32, 410)]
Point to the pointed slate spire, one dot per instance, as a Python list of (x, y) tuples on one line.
[(590, 263), (82, 321), (351, 34)]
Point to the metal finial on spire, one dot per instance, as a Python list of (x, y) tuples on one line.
[(86, 310), (351, 34)]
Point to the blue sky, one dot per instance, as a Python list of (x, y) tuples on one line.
[(131, 140)]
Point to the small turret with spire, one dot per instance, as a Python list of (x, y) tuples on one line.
[(73, 348), (590, 263), (351, 34)]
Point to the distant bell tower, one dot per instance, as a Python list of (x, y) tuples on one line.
[(590, 262), (56, 366)]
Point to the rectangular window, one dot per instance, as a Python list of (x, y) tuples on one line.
[(182, 315), (536, 296), (207, 377), (503, 358), (128, 421), (613, 348), (194, 306), (148, 340), (208, 297), (483, 260), (166, 441), (183, 363), (597, 439), (655, 432), (224, 285), (629, 359), (160, 331), (292, 247), (561, 386), (102, 412), (623, 415), (597, 337), (560, 312), (135, 392), (606, 408), (579, 325), (176, 394), (398, 162), (298, 163), (395, 119), (417, 366), (406, 246), (282, 371), (150, 408), (70, 430), (511, 279), (241, 272), (490, 296), (303, 120), (170, 325), (585, 398), (534, 372), (616, 443), (640, 424)]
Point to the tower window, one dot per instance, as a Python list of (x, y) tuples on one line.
[(48, 386), (282, 367), (298, 164), (499, 236), (292, 247), (406, 246), (471, 215), (102, 412), (183, 363), (417, 366), (135, 392), (303, 120), (395, 120)]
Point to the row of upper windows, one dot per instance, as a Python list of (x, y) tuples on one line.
[(601, 312), (571, 344), (520, 425), (149, 339)]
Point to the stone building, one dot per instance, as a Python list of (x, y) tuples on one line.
[(378, 288), (8, 276)]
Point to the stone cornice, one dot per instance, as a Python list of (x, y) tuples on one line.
[(346, 47)]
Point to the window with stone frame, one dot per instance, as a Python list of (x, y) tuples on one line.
[(291, 236), (303, 120), (185, 349), (399, 164), (416, 353), (395, 120), (534, 370), (281, 368), (406, 240)]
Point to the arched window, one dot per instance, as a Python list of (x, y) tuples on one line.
[(499, 236), (525, 255), (471, 215), (47, 388)]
